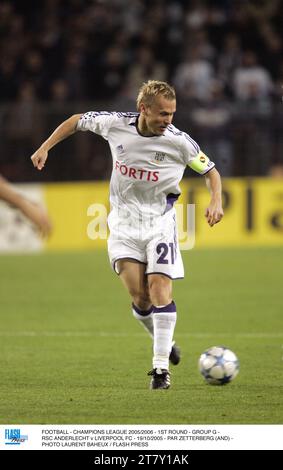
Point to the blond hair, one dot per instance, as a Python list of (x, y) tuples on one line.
[(150, 89)]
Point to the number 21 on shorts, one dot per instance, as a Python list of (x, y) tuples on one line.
[(166, 253)]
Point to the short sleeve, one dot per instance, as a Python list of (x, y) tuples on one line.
[(194, 157), (97, 122)]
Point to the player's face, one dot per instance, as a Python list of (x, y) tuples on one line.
[(158, 115)]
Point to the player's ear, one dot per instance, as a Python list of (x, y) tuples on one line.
[(142, 108)]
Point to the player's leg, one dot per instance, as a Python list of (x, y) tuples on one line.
[(164, 321), (132, 274), (164, 264), (160, 289)]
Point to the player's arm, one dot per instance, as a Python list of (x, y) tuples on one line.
[(63, 131), (204, 166), (214, 211), (31, 210)]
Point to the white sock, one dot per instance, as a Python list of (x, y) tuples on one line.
[(164, 321), (144, 317)]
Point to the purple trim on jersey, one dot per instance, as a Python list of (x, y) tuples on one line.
[(168, 308), (209, 169), (94, 114), (129, 114), (164, 274), (194, 144), (176, 131), (170, 201), (143, 313)]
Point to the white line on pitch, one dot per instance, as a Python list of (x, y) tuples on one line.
[(109, 334)]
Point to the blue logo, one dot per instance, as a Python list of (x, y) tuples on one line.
[(120, 149), (13, 437)]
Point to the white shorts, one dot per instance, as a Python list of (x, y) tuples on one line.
[(153, 243)]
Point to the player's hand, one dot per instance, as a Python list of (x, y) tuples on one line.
[(39, 158), (38, 216), (43, 222), (214, 213)]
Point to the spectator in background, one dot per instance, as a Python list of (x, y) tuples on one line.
[(210, 121), (8, 79), (22, 126), (196, 15), (194, 76), (251, 80), (34, 71), (273, 48), (144, 67), (112, 72), (60, 91), (73, 74), (229, 58), (200, 40), (253, 89)]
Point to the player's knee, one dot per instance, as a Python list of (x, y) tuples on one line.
[(160, 289), (140, 298)]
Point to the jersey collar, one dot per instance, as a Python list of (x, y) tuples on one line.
[(135, 124)]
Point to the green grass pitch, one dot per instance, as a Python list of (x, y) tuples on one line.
[(72, 353)]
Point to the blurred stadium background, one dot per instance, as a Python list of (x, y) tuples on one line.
[(61, 57), (225, 59)]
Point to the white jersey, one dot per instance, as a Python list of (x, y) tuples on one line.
[(146, 170)]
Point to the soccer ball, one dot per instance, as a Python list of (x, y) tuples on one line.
[(218, 365)]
